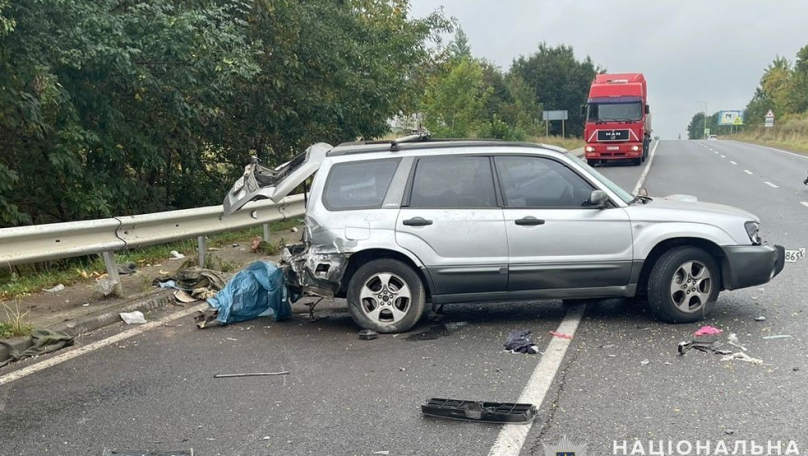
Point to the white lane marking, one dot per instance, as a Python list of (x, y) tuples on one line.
[(804, 203), (733, 162), (780, 151), (74, 353), (512, 436), (723, 156), (644, 174), (747, 171), (770, 184), (715, 151)]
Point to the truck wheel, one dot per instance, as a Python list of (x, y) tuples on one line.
[(683, 286), (591, 162), (386, 296)]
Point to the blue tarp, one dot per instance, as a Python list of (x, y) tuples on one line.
[(257, 291)]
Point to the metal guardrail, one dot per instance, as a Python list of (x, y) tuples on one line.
[(29, 244)]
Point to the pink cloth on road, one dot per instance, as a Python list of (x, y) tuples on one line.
[(707, 331)]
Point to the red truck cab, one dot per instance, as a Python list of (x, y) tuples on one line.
[(618, 119)]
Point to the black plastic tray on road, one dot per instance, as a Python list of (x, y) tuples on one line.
[(486, 412)]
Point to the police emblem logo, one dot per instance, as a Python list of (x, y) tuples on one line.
[(564, 448)]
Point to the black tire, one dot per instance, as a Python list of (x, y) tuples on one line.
[(385, 320), (672, 268)]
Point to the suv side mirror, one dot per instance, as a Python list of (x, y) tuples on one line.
[(597, 199)]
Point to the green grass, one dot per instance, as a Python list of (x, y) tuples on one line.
[(15, 324), (69, 271), (567, 143), (790, 133)]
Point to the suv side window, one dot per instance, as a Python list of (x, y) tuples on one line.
[(536, 182), (358, 185), (453, 182)]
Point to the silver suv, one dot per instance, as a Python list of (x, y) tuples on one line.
[(395, 225)]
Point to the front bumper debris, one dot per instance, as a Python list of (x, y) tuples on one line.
[(750, 265), (310, 272), (487, 412)]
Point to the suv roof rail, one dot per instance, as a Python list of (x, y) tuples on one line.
[(419, 135)]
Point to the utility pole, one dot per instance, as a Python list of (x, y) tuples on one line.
[(705, 118)]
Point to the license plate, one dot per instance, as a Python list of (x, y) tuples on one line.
[(613, 148), (792, 256)]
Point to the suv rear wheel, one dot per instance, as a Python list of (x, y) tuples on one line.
[(683, 285), (386, 296)]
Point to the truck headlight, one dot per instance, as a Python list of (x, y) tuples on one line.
[(753, 230), (635, 148), (590, 149)]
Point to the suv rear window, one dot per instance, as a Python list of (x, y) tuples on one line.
[(358, 185), (453, 182)]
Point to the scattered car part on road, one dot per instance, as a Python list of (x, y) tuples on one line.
[(368, 334), (778, 336), (518, 342), (251, 374), (486, 412), (560, 335), (741, 356)]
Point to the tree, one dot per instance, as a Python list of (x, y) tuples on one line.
[(559, 81), (454, 104), (115, 108)]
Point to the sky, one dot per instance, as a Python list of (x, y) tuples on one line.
[(692, 52)]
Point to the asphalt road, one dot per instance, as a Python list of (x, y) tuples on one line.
[(345, 396)]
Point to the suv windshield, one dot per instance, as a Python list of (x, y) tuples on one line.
[(624, 195), (605, 112)]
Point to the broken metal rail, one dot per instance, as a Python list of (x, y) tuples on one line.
[(30, 244)]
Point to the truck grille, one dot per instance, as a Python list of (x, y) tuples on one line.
[(612, 135)]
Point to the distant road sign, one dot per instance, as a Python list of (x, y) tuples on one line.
[(730, 118), (769, 119), (554, 115), (706, 132)]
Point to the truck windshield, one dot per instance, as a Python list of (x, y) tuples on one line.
[(608, 112)]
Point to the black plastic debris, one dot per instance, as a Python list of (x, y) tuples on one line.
[(368, 334), (148, 453), (518, 342), (485, 412)]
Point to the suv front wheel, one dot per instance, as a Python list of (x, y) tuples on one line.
[(683, 285), (386, 296)]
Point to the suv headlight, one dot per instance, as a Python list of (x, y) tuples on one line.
[(753, 230)]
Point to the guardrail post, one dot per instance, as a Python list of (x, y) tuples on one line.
[(266, 232), (112, 271), (203, 248)]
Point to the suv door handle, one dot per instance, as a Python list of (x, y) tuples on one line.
[(417, 221), (529, 221)]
